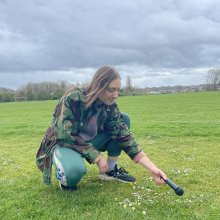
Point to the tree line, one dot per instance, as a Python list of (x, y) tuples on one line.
[(34, 91), (47, 91), (52, 90)]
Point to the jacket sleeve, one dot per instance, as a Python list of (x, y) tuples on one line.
[(120, 132), (66, 130)]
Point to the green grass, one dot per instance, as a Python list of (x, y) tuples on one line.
[(179, 132)]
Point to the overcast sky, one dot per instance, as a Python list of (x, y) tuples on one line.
[(157, 43)]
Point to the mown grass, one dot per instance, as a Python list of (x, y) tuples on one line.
[(179, 132)]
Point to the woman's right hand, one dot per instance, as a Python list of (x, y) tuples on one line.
[(102, 165)]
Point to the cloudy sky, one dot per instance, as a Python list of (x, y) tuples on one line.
[(163, 42)]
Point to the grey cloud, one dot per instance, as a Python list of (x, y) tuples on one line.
[(49, 36)]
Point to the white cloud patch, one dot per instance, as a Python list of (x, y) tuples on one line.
[(141, 76)]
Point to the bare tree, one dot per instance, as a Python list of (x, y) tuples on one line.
[(213, 78), (128, 87)]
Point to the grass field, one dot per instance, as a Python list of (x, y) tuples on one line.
[(179, 132)]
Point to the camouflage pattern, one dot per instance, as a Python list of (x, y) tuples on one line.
[(73, 126)]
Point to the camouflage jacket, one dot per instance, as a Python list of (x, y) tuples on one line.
[(73, 126)]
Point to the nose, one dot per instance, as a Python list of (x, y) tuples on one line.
[(115, 94)]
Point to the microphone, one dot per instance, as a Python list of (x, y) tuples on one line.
[(178, 190)]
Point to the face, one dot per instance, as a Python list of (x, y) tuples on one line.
[(110, 94)]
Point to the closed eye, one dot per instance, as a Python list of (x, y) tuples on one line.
[(111, 90)]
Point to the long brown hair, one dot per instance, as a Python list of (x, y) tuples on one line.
[(102, 78)]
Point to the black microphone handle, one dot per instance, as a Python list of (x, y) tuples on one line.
[(178, 190), (171, 184)]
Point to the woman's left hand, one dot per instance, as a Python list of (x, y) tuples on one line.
[(157, 174)]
